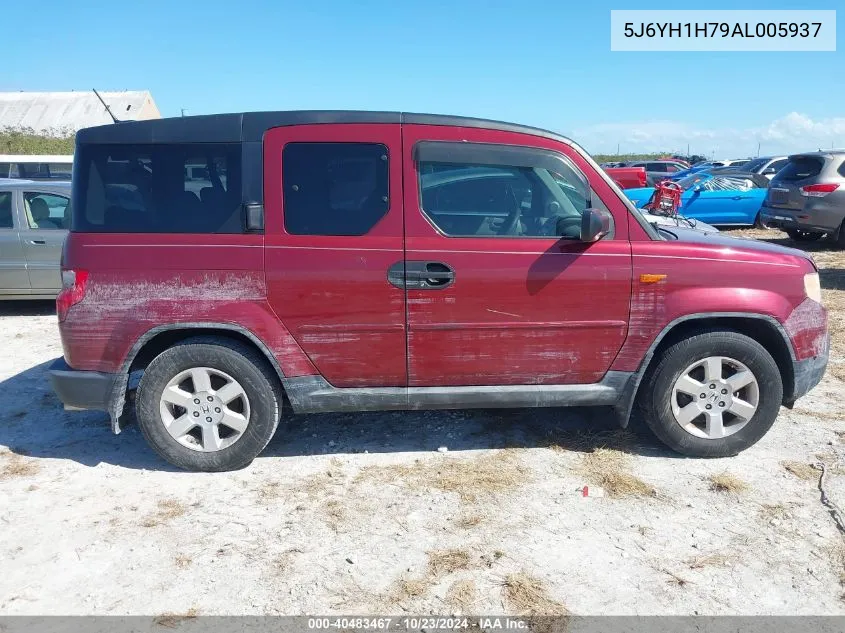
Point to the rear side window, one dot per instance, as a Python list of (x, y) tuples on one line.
[(168, 188), (800, 168), (46, 210), (334, 188), (6, 210)]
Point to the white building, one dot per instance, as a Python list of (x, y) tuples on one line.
[(63, 113)]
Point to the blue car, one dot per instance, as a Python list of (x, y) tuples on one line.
[(723, 199)]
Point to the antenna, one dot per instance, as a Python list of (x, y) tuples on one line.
[(106, 106)]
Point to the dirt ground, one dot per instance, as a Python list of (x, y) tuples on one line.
[(438, 512)]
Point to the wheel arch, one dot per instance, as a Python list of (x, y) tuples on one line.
[(159, 338), (762, 328)]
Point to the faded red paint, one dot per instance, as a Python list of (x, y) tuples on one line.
[(521, 310)]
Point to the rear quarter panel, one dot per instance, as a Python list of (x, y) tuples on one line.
[(142, 281)]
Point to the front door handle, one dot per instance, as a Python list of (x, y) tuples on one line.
[(37, 241), (421, 275)]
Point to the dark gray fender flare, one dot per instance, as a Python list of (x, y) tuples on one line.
[(628, 397), (118, 396)]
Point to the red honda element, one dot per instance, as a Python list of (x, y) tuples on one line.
[(240, 264)]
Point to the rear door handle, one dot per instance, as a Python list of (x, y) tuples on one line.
[(36, 241)]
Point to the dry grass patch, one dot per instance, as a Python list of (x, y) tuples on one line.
[(491, 473), (168, 509), (269, 491), (777, 511), (587, 440), (447, 561), (172, 620), (404, 590), (468, 521), (835, 416), (461, 594), (527, 595), (283, 561), (725, 482), (610, 469), (183, 562), (717, 559), (15, 466), (801, 470), (335, 513)]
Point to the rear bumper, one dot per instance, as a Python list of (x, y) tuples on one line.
[(83, 389), (778, 218)]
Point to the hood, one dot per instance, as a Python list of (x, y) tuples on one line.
[(726, 241)]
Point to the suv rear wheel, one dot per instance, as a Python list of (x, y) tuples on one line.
[(208, 404), (712, 395)]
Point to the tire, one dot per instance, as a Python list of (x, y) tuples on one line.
[(799, 235), (658, 392), (840, 238), (758, 221), (226, 363)]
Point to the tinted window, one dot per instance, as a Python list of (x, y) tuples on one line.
[(756, 164), (334, 188), (173, 188), (778, 164), (468, 200), (842, 169), (6, 210), (46, 211), (5, 170), (662, 167), (801, 167)]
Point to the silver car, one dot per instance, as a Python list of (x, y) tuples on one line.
[(34, 220)]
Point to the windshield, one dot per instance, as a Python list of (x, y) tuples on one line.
[(691, 181)]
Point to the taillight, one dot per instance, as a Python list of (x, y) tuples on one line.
[(73, 291), (818, 191)]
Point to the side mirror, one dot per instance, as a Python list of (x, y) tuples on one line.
[(595, 224)]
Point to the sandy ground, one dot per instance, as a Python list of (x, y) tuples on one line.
[(358, 514)]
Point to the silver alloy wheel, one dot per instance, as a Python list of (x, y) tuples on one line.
[(715, 397), (204, 409)]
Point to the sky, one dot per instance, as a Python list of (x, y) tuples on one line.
[(542, 63)]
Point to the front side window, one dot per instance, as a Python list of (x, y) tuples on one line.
[(481, 200), (46, 210), (166, 188), (334, 188), (6, 221)]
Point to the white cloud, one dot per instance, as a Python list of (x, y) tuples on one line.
[(794, 132)]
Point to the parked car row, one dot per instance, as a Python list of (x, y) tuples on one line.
[(803, 194)]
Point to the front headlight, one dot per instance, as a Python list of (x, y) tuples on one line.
[(813, 287)]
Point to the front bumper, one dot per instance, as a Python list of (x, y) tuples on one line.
[(808, 373), (89, 389)]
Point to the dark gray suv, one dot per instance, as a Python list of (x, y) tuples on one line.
[(807, 197)]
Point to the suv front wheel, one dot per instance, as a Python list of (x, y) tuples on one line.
[(208, 404), (712, 395)]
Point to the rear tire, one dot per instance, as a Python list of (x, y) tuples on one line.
[(673, 415), (800, 235), (758, 221), (179, 434), (840, 238)]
